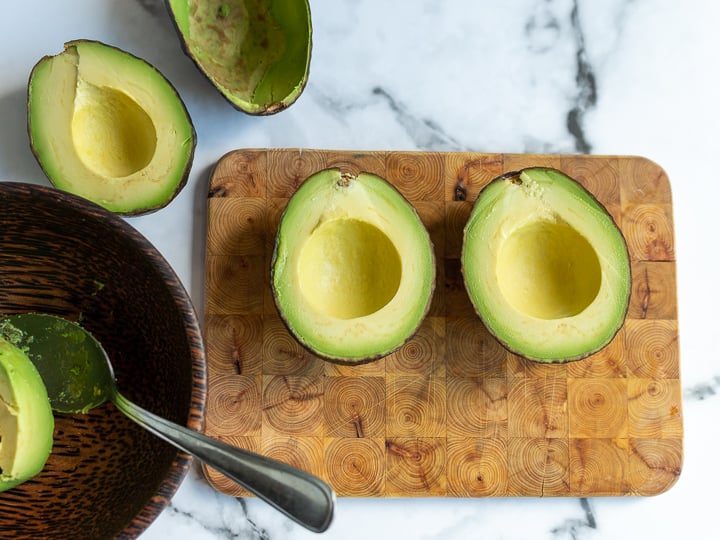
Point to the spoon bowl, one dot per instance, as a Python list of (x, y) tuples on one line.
[(79, 376), (73, 365)]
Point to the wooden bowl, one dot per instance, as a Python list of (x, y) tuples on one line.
[(106, 476)]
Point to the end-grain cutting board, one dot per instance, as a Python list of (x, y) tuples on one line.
[(451, 413)]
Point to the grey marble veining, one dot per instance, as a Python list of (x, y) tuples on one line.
[(556, 76), (704, 390)]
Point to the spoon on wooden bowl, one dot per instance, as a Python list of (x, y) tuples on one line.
[(79, 376)]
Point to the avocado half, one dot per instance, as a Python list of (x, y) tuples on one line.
[(545, 266), (26, 418), (353, 267), (256, 53), (108, 126)]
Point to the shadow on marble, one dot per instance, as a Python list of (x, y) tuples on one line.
[(17, 162)]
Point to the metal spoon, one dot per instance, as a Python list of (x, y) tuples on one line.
[(79, 376)]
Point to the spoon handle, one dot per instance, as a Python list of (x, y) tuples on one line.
[(301, 496)]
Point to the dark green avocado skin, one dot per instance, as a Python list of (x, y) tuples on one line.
[(284, 81)]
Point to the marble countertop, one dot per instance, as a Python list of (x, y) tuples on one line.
[(637, 77)]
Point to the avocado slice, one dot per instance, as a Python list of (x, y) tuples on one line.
[(255, 52), (108, 126), (353, 267), (26, 418), (545, 266)]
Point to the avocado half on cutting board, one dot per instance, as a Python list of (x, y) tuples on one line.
[(545, 266)]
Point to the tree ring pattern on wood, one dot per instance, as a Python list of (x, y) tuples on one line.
[(451, 413)]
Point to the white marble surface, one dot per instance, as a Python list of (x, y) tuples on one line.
[(607, 77)]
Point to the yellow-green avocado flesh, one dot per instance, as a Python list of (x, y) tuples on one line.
[(545, 266), (26, 418), (256, 53), (353, 269), (107, 126)]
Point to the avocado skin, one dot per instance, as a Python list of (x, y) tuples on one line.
[(241, 105)]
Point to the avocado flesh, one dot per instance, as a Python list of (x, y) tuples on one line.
[(353, 268), (26, 419), (545, 266), (107, 126), (256, 53)]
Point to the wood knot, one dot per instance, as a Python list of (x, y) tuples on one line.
[(460, 192), (218, 190)]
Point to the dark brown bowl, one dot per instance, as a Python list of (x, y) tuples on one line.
[(106, 476)]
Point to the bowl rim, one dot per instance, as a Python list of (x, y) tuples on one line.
[(196, 415)]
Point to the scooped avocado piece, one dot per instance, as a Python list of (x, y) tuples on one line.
[(255, 52), (545, 266), (353, 269), (109, 127), (26, 419)]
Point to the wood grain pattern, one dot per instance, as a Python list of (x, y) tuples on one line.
[(452, 413)]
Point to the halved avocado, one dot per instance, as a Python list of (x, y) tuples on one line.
[(353, 269), (108, 126), (545, 266), (255, 52), (26, 418)]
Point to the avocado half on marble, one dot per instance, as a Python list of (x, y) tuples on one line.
[(353, 267), (109, 127), (255, 52), (545, 266)]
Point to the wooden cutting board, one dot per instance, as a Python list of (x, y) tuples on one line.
[(451, 413)]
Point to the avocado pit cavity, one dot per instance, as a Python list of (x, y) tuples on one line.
[(112, 135), (348, 268), (546, 269)]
